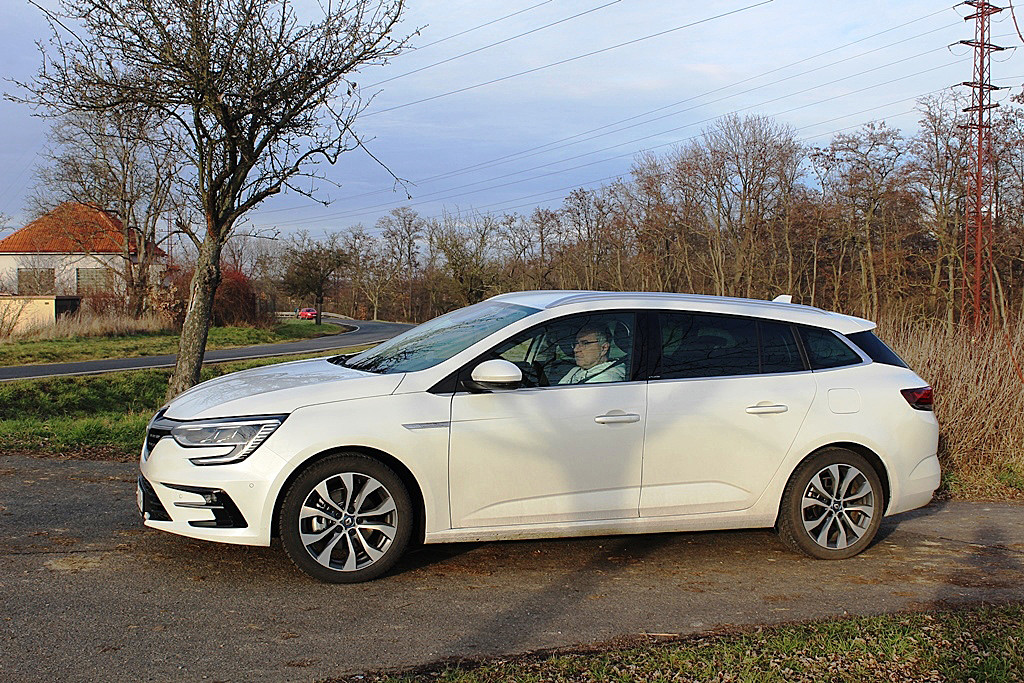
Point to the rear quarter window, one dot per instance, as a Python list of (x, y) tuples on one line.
[(875, 349), (826, 350)]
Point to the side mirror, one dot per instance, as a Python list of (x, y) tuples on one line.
[(495, 374)]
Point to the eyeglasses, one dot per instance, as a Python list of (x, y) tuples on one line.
[(581, 342)]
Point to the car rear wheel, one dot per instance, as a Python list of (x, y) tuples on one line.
[(346, 518), (832, 506)]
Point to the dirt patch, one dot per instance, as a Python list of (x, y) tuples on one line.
[(96, 454), (74, 563)]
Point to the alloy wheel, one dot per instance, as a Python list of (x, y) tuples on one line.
[(838, 506), (348, 521)]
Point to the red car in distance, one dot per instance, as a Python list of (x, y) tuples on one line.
[(307, 314)]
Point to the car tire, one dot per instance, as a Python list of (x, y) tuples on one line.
[(832, 506), (364, 523)]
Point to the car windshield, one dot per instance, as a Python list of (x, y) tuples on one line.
[(439, 339)]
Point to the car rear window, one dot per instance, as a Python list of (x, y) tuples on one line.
[(876, 349), (826, 350)]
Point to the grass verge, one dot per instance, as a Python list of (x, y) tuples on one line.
[(983, 643), (96, 417), (150, 343)]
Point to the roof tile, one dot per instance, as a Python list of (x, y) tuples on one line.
[(71, 228)]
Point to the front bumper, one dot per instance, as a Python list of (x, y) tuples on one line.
[(225, 503)]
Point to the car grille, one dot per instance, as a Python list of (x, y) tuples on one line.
[(153, 435), (158, 429)]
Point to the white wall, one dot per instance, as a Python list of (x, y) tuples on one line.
[(65, 268)]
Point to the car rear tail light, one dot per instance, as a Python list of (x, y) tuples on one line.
[(919, 399)]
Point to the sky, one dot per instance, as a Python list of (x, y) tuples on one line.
[(588, 104)]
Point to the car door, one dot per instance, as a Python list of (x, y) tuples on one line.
[(726, 399), (552, 451)]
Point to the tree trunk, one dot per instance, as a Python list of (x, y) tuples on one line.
[(137, 296), (192, 345)]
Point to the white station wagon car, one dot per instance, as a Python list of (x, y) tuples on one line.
[(553, 413)]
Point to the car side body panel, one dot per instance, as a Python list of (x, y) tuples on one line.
[(713, 444), (412, 428), (539, 455)]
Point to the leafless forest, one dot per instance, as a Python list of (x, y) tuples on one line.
[(870, 224)]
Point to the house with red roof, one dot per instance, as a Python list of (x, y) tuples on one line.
[(74, 249)]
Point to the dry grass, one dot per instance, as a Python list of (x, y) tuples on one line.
[(984, 643), (88, 324), (979, 401)]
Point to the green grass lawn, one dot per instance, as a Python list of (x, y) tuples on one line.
[(92, 348), (94, 416), (977, 644)]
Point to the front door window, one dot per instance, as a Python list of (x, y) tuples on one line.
[(579, 349)]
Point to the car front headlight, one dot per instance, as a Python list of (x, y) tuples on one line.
[(242, 435)]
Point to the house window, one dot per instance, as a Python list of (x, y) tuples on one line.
[(34, 281), (90, 280)]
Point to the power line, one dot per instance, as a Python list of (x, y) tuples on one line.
[(559, 193), (480, 26), (587, 135), (715, 101), (584, 138), (495, 44), (352, 213), (566, 61)]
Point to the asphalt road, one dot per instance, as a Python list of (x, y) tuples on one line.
[(87, 593), (365, 333)]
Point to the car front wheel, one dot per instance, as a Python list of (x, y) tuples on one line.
[(832, 506), (346, 518)]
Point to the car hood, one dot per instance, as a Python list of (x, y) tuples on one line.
[(278, 389)]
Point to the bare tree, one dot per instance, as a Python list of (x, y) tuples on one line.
[(311, 267), (938, 149), (379, 270), (117, 161), (467, 248), (402, 229), (873, 170), (255, 95), (358, 245)]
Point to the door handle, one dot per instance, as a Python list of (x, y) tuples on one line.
[(763, 409), (616, 418)]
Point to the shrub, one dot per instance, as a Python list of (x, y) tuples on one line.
[(235, 303), (105, 303), (979, 399)]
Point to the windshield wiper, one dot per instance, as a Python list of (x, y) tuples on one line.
[(343, 359)]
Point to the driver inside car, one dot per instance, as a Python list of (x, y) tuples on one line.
[(592, 363)]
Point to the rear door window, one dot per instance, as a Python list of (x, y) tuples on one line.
[(779, 350), (695, 345), (699, 345)]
